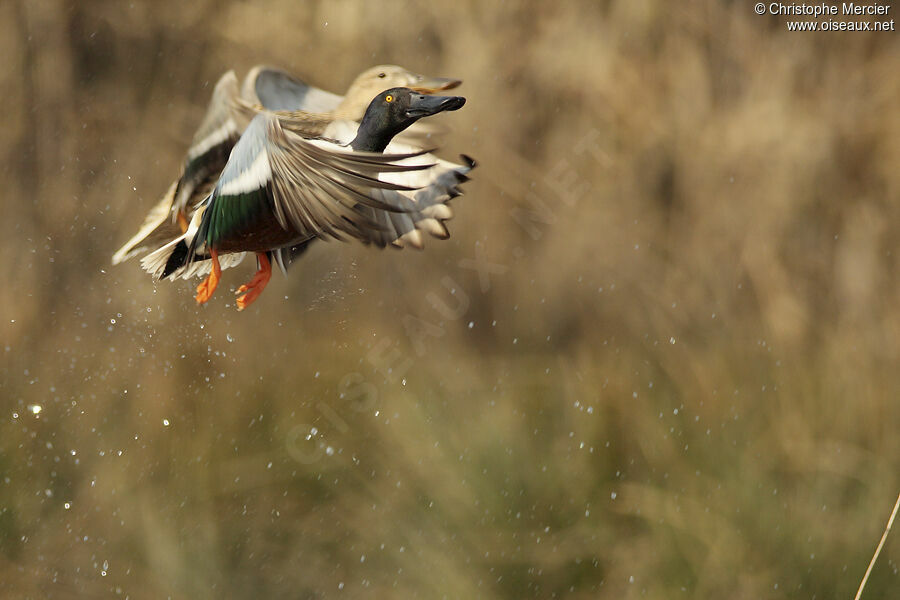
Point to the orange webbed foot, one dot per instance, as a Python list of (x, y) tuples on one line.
[(256, 285), (206, 289)]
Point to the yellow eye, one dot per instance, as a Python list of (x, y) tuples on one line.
[(388, 98)]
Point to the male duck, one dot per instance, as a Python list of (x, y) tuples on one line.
[(280, 189), (312, 110)]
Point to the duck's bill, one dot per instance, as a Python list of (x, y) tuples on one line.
[(430, 85), (423, 106)]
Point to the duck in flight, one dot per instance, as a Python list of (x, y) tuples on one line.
[(280, 189), (303, 108)]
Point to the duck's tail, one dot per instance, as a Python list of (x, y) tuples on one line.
[(165, 261), (177, 260), (156, 229)]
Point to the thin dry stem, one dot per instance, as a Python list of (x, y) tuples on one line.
[(887, 530)]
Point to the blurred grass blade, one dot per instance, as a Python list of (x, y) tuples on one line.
[(887, 530)]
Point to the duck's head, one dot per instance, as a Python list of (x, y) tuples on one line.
[(372, 81), (393, 110)]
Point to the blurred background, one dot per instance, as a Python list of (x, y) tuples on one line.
[(657, 357)]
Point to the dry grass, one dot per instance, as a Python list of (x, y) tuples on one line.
[(682, 384), (887, 530)]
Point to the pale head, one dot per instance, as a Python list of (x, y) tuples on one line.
[(372, 82)]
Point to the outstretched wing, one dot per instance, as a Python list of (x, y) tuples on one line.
[(205, 159), (275, 89), (312, 188), (434, 187), (431, 189), (216, 136)]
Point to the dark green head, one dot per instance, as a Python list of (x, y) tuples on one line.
[(394, 110)]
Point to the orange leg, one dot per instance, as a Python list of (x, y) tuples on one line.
[(182, 220), (256, 285), (205, 290)]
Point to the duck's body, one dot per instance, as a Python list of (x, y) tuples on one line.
[(280, 191), (304, 109)]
